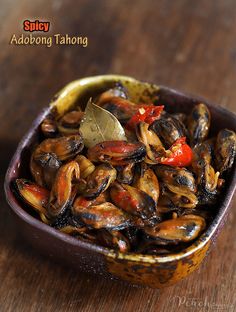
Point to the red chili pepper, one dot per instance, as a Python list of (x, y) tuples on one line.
[(146, 113), (181, 154)]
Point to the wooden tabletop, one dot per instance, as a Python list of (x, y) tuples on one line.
[(186, 44)]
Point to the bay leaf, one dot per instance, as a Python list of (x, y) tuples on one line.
[(99, 125)]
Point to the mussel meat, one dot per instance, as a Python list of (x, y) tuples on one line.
[(147, 181), (103, 216), (117, 152), (36, 196), (153, 144), (62, 190), (178, 184), (173, 231), (134, 201), (99, 180)]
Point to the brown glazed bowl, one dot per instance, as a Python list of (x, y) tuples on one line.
[(151, 270)]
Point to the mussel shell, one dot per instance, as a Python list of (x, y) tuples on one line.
[(207, 178), (180, 177), (225, 150), (66, 219), (44, 169), (117, 91), (199, 123), (49, 155), (99, 180), (147, 182), (62, 148), (168, 130), (113, 239), (180, 196)]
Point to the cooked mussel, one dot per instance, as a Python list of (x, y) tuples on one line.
[(117, 91), (168, 129), (69, 123), (134, 201), (178, 185), (62, 193), (147, 181), (117, 152), (99, 180), (154, 146), (63, 148), (49, 155), (114, 240), (125, 174), (176, 176), (199, 123), (36, 196), (173, 231), (103, 216), (84, 202), (207, 178), (225, 150)]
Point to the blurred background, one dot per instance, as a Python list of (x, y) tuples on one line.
[(186, 44)]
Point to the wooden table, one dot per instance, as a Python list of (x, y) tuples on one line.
[(190, 45)]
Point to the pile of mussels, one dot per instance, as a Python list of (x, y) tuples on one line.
[(152, 193)]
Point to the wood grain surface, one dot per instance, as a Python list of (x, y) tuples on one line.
[(186, 44)]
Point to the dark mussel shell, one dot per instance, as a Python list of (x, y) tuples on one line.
[(207, 177), (225, 150), (180, 177), (49, 155), (168, 129), (199, 123)]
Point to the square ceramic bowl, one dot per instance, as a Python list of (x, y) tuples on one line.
[(151, 270)]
